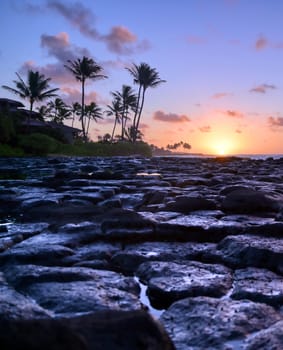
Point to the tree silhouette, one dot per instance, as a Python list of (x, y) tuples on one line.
[(92, 112), (128, 101), (36, 89), (145, 77), (83, 69), (115, 109)]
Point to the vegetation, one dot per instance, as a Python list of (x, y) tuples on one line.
[(35, 89), (38, 144), (41, 138), (145, 77), (83, 69)]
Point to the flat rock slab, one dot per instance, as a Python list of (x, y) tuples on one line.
[(22, 276), (133, 255), (171, 281), (111, 330), (258, 285), (270, 338), (252, 250), (209, 323), (82, 297), (15, 306)]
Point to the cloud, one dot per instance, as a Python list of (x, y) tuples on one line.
[(233, 113), (119, 40), (205, 128), (262, 89), (59, 46), (238, 131), (275, 122), (195, 40), (261, 43), (170, 117), (219, 95), (78, 15)]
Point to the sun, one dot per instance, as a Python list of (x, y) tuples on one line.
[(222, 148)]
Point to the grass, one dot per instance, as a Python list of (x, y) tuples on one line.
[(105, 149), (98, 149)]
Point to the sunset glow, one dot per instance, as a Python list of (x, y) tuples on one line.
[(222, 61)]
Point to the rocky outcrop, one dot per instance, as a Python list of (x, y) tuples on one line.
[(89, 247)]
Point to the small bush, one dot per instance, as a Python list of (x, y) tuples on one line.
[(38, 144), (106, 149), (8, 151)]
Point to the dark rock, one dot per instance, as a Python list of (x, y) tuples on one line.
[(209, 323), (186, 204), (171, 281), (259, 285), (40, 253), (83, 296), (127, 225), (129, 259), (14, 305), (251, 250), (270, 338), (249, 201), (111, 330)]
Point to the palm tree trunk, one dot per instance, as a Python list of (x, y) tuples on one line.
[(139, 117), (123, 124), (137, 107), (87, 126), (83, 109), (114, 127), (29, 115)]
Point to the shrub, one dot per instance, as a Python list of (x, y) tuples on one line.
[(38, 144), (7, 130), (8, 151)]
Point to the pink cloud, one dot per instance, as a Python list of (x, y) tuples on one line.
[(195, 40), (206, 128), (238, 131), (119, 40), (261, 43), (219, 95), (78, 15), (262, 89), (275, 122), (170, 117), (233, 114)]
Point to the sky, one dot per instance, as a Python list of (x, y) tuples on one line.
[(222, 61)]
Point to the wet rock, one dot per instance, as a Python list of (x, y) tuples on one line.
[(22, 276), (127, 225), (82, 296), (251, 250), (259, 285), (210, 323), (14, 305), (171, 281), (270, 338), (188, 204), (249, 201), (129, 259), (41, 252), (111, 330)]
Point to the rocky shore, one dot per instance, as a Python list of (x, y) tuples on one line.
[(81, 238)]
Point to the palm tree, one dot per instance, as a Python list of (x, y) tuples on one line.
[(128, 101), (145, 77), (60, 110), (76, 111), (83, 69), (115, 109), (92, 111), (35, 89), (44, 111)]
